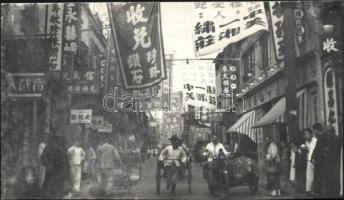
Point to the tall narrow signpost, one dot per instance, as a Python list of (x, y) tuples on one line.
[(289, 59)]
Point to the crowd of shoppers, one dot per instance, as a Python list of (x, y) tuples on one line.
[(310, 165)]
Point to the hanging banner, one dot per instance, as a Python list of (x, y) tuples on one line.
[(331, 110), (198, 83), (54, 31), (277, 18), (112, 67), (138, 41), (81, 116), (217, 24), (71, 37)]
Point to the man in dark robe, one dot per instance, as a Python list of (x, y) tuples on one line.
[(332, 163), (318, 158), (54, 158)]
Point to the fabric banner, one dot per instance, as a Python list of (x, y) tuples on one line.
[(197, 81), (217, 24), (70, 40), (138, 41), (54, 31)]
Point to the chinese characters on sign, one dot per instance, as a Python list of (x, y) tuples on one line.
[(85, 81), (330, 95), (217, 24), (102, 72), (27, 85), (71, 35), (54, 31), (277, 16), (299, 15), (81, 116), (137, 36), (198, 79), (229, 80)]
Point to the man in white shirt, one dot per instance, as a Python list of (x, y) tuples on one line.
[(76, 155), (213, 148), (310, 143), (172, 157), (41, 167)]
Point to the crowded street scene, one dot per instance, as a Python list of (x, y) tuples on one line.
[(172, 100)]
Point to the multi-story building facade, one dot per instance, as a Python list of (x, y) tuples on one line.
[(260, 99)]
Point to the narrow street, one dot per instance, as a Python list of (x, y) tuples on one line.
[(90, 91), (146, 188)]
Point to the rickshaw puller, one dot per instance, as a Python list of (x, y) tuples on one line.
[(172, 158)]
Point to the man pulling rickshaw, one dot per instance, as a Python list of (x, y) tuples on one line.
[(172, 160)]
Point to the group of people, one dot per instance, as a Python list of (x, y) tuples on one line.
[(311, 166), (152, 152), (62, 169)]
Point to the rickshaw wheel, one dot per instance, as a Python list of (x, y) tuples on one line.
[(158, 178)]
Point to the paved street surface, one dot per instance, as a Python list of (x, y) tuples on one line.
[(146, 189)]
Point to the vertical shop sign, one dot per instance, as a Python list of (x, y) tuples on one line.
[(331, 110), (218, 24), (71, 37), (102, 72), (138, 40), (54, 31), (277, 20), (277, 17), (299, 19), (112, 67)]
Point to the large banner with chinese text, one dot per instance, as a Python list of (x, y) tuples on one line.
[(217, 24), (138, 41), (197, 81), (55, 32), (70, 40)]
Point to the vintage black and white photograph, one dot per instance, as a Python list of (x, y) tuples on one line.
[(190, 100)]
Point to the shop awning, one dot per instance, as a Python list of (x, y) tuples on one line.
[(244, 125), (275, 113)]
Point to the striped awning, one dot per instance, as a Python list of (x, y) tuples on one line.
[(277, 112), (244, 125)]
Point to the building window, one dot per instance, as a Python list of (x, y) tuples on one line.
[(249, 65)]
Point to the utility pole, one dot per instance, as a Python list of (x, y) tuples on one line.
[(289, 60)]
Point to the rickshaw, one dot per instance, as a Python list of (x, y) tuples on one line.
[(182, 176), (238, 170)]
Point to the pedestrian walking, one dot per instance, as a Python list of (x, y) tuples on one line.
[(76, 155), (41, 167), (273, 171), (310, 143), (55, 159), (107, 159), (90, 163)]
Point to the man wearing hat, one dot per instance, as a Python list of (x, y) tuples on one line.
[(172, 157)]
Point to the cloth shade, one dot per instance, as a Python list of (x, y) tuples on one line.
[(276, 113), (244, 125)]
